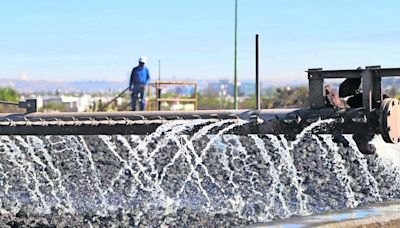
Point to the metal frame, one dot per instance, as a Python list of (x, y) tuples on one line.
[(371, 84)]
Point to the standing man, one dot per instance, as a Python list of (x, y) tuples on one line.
[(140, 78)]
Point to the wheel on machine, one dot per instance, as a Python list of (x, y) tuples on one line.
[(389, 120)]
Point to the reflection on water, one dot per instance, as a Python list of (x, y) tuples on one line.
[(340, 216)]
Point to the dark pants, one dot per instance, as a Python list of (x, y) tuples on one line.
[(137, 91)]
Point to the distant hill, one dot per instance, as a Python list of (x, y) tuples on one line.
[(29, 86)]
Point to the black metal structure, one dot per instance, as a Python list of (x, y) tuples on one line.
[(30, 105), (371, 84)]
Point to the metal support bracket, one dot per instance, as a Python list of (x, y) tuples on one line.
[(367, 89), (316, 88), (30, 105)]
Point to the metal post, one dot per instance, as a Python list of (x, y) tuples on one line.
[(316, 89), (376, 86), (158, 93), (235, 61), (158, 90), (367, 87), (258, 95), (159, 70), (149, 106), (158, 98)]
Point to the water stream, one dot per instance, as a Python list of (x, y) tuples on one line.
[(173, 178)]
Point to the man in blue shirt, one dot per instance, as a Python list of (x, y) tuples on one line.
[(140, 78)]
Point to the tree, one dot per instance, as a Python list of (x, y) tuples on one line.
[(53, 106), (209, 100), (9, 94), (288, 98), (393, 91)]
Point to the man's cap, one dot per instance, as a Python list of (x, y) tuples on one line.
[(142, 59)]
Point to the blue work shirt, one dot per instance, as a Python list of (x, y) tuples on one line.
[(140, 76)]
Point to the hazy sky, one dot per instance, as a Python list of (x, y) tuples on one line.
[(93, 39)]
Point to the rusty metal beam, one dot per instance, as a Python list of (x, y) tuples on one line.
[(356, 73), (269, 121)]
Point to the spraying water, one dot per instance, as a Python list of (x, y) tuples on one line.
[(173, 178)]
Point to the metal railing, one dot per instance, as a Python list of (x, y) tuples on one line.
[(156, 99)]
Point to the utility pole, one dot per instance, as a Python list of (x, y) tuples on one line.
[(258, 94), (159, 69), (235, 99)]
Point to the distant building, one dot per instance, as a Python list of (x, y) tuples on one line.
[(69, 103), (216, 86), (39, 102), (84, 102), (247, 88)]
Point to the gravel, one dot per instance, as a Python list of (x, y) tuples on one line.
[(61, 181)]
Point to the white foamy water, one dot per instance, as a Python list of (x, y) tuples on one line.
[(289, 165), (339, 169), (170, 178), (362, 159), (387, 151)]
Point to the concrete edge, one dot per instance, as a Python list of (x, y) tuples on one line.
[(390, 220)]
